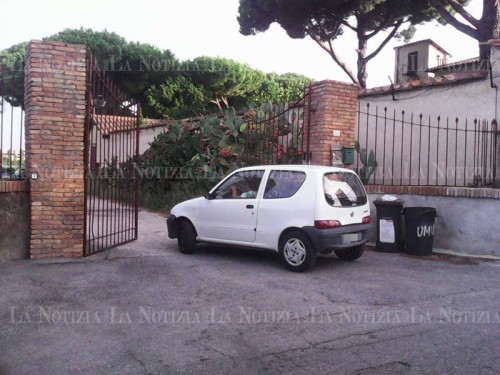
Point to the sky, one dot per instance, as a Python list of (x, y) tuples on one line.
[(193, 28)]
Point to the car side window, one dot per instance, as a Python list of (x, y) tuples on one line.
[(240, 185), (283, 184)]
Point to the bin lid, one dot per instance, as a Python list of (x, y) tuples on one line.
[(388, 200)]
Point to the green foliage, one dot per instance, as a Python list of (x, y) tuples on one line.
[(190, 158), (325, 20), (286, 87), (210, 84), (225, 81), (162, 195), (107, 47), (164, 86), (12, 74), (208, 147), (193, 155), (369, 164), (274, 135), (176, 97), (134, 67)]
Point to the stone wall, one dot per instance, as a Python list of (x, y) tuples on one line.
[(466, 221), (15, 220)]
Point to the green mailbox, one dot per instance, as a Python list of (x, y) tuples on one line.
[(348, 155)]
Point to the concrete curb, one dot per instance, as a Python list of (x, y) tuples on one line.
[(451, 253)]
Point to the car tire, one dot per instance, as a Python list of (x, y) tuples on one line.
[(351, 253), (186, 237), (297, 251)]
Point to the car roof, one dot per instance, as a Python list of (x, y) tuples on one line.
[(298, 167)]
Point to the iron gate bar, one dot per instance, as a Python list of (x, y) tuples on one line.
[(111, 179), (9, 126), (495, 148), (1, 135), (309, 112), (411, 147), (393, 145), (385, 144), (402, 146), (455, 153), (420, 148)]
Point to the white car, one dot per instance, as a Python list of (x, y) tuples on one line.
[(296, 210)]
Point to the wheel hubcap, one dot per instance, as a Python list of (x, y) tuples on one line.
[(295, 252)]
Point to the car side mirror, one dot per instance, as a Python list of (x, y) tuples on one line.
[(209, 195)]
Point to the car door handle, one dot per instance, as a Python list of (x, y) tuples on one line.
[(250, 206)]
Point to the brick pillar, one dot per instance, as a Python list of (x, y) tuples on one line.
[(55, 113), (334, 107)]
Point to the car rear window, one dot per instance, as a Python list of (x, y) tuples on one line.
[(283, 184), (343, 189)]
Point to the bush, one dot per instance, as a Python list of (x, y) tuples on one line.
[(192, 156)]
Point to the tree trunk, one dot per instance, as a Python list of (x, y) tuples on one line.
[(488, 28), (496, 29), (362, 46)]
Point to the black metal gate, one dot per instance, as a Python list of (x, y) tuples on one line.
[(111, 151)]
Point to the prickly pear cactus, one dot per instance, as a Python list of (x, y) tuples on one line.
[(369, 164)]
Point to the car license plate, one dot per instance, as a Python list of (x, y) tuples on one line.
[(351, 237)]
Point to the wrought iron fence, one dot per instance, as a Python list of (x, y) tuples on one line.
[(12, 142), (275, 134), (420, 150)]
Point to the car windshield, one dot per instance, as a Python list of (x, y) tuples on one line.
[(343, 189)]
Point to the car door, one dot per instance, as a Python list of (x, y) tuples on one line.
[(231, 212)]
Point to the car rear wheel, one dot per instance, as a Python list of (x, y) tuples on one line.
[(186, 239), (297, 251), (351, 253)]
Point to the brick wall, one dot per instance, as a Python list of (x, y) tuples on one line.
[(14, 186), (55, 113), (334, 106)]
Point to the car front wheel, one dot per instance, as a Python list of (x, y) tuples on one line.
[(351, 253), (297, 251), (186, 239)]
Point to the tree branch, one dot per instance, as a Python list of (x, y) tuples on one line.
[(333, 55), (448, 17), (346, 24), (382, 26), (385, 41), (461, 10)]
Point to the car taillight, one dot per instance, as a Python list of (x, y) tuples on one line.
[(324, 224), (367, 220)]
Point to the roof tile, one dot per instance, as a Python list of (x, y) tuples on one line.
[(457, 77)]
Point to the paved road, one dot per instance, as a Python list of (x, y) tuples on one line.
[(144, 308)]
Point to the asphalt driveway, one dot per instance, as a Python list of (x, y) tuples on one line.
[(144, 308)]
